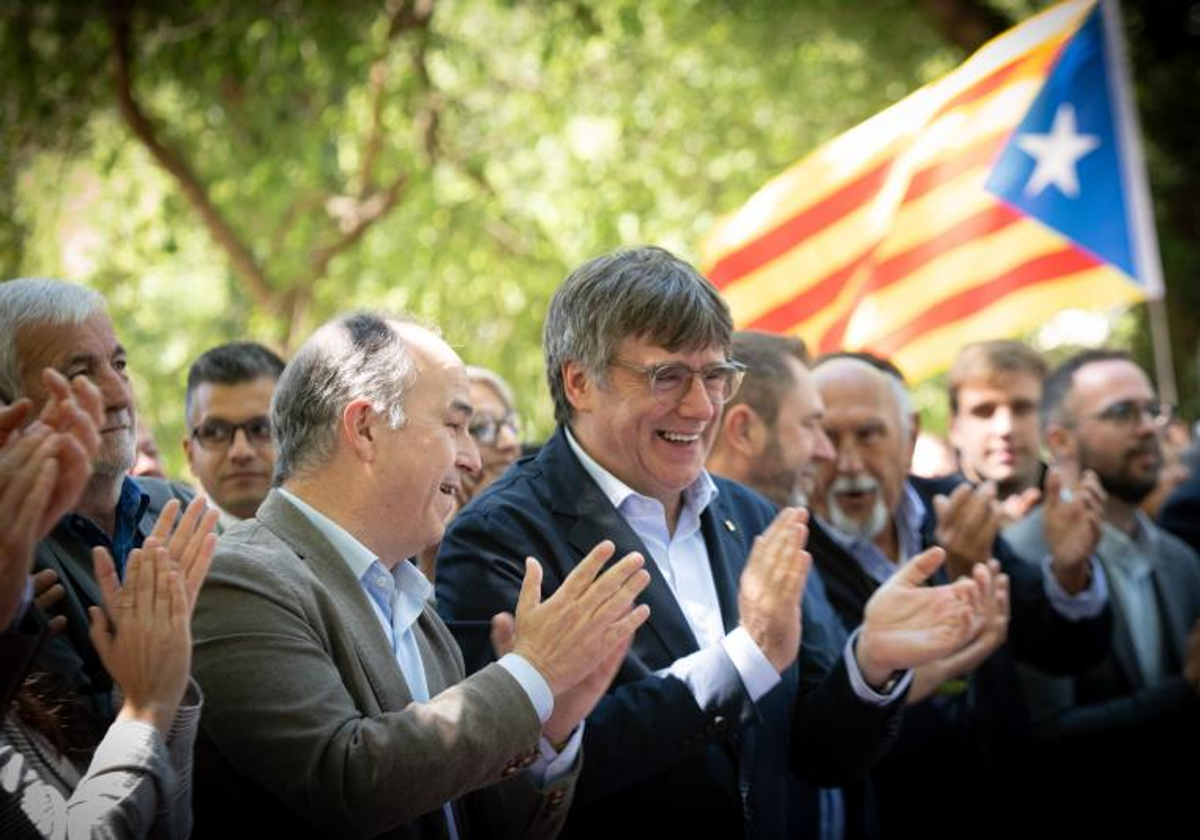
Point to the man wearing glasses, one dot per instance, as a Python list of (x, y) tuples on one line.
[(229, 445), (710, 710), (1121, 731)]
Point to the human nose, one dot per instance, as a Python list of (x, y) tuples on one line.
[(696, 402), (114, 389), (1002, 420), (506, 439), (824, 452), (467, 455), (240, 448), (848, 459)]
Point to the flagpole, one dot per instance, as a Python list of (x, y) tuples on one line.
[(1146, 255)]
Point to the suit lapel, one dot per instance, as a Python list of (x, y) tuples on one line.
[(353, 611), (726, 557), (79, 572), (589, 517), (1122, 635)]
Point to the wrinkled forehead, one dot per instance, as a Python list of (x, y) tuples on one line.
[(42, 344), (851, 384)]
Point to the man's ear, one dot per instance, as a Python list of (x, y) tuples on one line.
[(358, 428), (1061, 443), (579, 385), (743, 431)]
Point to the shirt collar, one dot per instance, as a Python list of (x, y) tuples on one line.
[(356, 555), (696, 496)]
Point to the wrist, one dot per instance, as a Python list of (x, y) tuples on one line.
[(158, 715), (874, 673), (1073, 576)]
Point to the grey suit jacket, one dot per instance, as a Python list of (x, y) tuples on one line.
[(1113, 695), (309, 727)]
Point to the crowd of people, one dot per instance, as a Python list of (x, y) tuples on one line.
[(716, 601)]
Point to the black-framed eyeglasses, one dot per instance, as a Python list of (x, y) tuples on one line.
[(669, 382), (485, 428), (1129, 412), (219, 434)]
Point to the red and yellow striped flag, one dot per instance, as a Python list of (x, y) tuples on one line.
[(886, 239)]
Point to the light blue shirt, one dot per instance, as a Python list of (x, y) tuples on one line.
[(398, 597), (1132, 560)]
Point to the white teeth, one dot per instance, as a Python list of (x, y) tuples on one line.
[(676, 437)]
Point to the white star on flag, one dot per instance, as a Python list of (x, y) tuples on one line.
[(1057, 153)]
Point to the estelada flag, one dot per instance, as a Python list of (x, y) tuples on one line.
[(975, 208)]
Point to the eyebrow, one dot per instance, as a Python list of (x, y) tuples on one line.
[(462, 407)]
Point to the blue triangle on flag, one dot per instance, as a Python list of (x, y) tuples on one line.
[(1061, 164)]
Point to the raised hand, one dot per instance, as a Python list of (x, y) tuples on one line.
[(577, 702), (906, 624), (968, 521), (74, 412), (190, 545), (771, 585), (143, 634), (565, 636), (1018, 505), (996, 613), (1074, 514), (29, 473)]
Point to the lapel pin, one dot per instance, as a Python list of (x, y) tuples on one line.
[(729, 526)]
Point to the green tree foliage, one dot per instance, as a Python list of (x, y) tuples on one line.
[(246, 168)]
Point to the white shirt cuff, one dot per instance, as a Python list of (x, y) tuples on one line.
[(1086, 604), (864, 691), (534, 683), (758, 674)]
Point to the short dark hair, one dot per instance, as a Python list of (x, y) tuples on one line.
[(646, 293), (768, 374), (232, 364), (985, 359), (1060, 381)]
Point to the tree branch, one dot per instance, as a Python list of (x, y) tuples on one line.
[(244, 264), (402, 17)]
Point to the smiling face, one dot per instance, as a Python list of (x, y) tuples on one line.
[(236, 475), (861, 488), (419, 467), (995, 430), (657, 449), (90, 349)]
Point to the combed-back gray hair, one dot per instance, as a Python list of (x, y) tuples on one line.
[(644, 293), (353, 356), (31, 300)]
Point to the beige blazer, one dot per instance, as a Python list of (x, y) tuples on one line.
[(309, 728)]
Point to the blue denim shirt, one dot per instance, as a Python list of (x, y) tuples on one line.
[(131, 507)]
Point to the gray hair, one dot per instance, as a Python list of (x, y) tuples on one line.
[(494, 381), (31, 300), (353, 356), (646, 293)]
